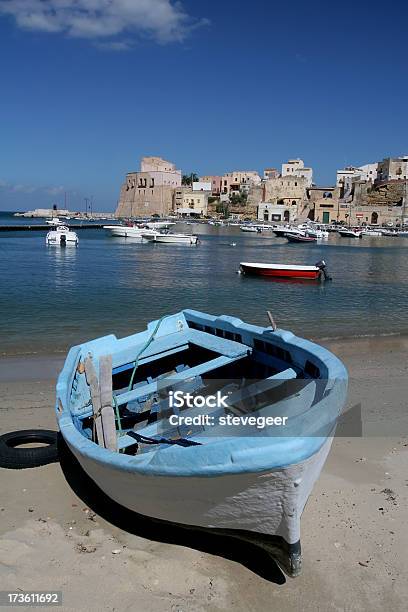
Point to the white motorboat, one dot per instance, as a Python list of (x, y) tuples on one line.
[(250, 228), (348, 232), (171, 238), (315, 232), (61, 236), (369, 231), (128, 231), (54, 221), (298, 230), (390, 232), (159, 225)]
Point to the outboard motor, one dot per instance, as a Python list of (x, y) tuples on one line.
[(323, 272)]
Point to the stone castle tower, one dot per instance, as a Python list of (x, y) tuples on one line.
[(149, 191)]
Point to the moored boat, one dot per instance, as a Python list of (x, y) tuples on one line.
[(390, 233), (317, 233), (348, 232), (369, 231), (281, 231), (159, 225), (135, 232), (252, 481), (171, 238), (250, 228), (299, 237), (61, 235), (285, 270), (54, 221)]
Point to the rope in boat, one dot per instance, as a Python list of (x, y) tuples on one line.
[(150, 340), (115, 401), (130, 386)]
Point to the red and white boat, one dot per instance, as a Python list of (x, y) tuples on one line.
[(285, 270)]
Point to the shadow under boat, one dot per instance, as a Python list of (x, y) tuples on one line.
[(244, 548)]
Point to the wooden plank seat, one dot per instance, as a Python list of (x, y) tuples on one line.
[(125, 358), (199, 370)]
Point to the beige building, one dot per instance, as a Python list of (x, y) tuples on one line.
[(324, 205), (216, 183), (282, 199), (237, 182), (289, 190), (149, 191), (277, 213), (270, 173), (392, 169), (296, 168), (189, 202)]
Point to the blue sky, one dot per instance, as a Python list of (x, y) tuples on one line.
[(87, 87)]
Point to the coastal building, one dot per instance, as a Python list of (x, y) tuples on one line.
[(149, 191), (277, 213), (350, 174), (289, 190), (202, 186), (392, 169), (325, 206), (296, 168), (368, 172), (216, 183), (237, 182), (190, 202), (270, 173)]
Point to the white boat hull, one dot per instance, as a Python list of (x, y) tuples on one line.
[(171, 238), (349, 234), (122, 231), (61, 236), (264, 503), (252, 230)]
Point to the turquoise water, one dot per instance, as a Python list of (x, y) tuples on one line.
[(52, 298)]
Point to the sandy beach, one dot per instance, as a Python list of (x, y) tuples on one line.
[(56, 534)]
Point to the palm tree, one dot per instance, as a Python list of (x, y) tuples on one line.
[(189, 179)]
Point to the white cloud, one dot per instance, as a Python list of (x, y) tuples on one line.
[(164, 20), (29, 189)]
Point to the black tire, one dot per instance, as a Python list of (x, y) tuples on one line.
[(15, 458)]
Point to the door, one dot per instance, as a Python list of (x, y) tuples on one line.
[(326, 216)]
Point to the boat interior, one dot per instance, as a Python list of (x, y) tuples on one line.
[(259, 371)]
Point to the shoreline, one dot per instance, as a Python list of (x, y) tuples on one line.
[(49, 356)]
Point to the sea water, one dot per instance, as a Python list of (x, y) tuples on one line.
[(53, 297)]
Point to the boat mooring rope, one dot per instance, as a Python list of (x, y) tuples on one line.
[(144, 347), (150, 340)]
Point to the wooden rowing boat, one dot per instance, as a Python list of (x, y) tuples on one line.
[(114, 412)]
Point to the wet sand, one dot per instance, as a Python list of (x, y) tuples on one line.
[(354, 528)]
